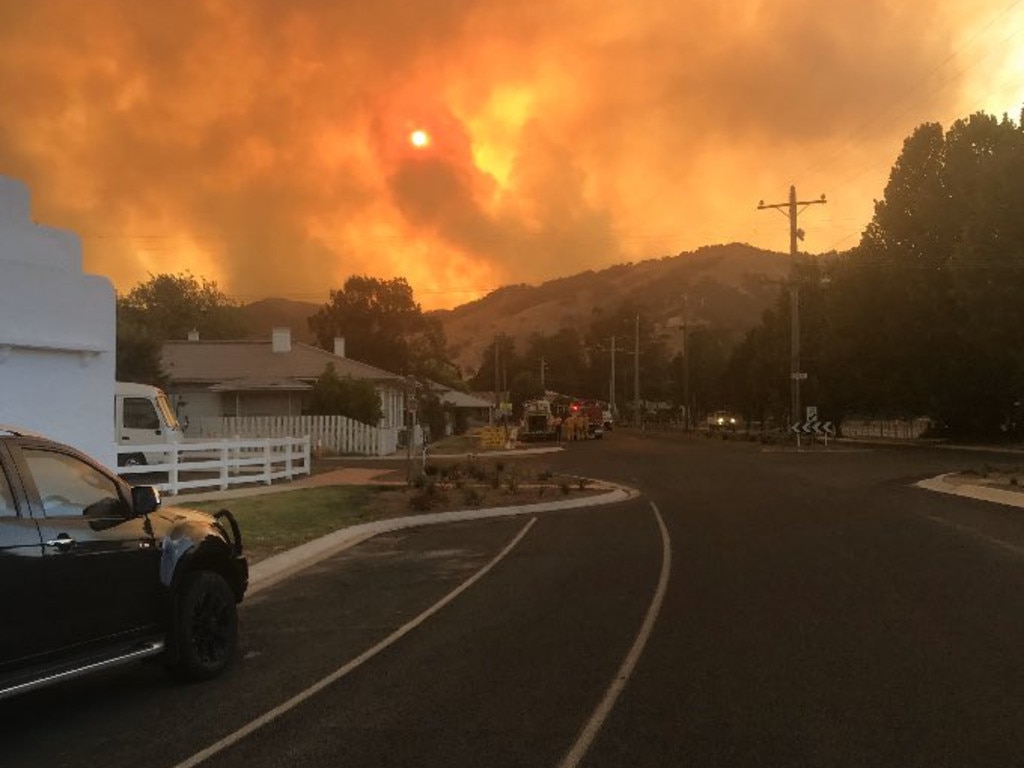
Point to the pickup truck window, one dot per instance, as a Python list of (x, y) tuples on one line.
[(6, 497), (71, 488)]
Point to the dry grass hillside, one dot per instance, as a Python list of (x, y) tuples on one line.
[(726, 286)]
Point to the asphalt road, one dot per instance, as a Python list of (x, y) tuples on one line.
[(753, 607)]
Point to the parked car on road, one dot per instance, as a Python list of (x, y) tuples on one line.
[(96, 573), (723, 420)]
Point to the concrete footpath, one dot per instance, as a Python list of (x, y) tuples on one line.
[(278, 567)]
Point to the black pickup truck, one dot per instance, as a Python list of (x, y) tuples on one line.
[(95, 573)]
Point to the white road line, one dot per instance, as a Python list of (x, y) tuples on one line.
[(339, 673), (974, 533), (593, 726)]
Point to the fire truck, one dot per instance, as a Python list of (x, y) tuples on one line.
[(581, 419), (538, 421), (593, 411)]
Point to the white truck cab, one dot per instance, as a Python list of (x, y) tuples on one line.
[(143, 416)]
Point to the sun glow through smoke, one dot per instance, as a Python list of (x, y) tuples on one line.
[(279, 148)]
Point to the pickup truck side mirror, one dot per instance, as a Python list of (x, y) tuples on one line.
[(145, 499)]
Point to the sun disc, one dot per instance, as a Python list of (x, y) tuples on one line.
[(419, 139)]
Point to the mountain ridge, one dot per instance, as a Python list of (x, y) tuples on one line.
[(727, 286)]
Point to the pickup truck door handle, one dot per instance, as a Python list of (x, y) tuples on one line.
[(62, 542)]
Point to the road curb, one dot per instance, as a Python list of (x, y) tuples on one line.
[(939, 484), (279, 567)]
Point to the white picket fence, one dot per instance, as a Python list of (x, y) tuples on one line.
[(220, 464), (335, 434)]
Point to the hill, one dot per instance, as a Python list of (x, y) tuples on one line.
[(261, 317), (725, 286)]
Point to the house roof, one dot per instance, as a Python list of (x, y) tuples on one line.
[(213, 362), (261, 385), (464, 400)]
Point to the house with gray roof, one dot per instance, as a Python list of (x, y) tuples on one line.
[(270, 377)]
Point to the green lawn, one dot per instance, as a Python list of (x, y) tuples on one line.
[(276, 522)]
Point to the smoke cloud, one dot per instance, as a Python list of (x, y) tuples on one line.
[(266, 145)]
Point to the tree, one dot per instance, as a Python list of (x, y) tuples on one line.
[(924, 316), (138, 355), (385, 327), (508, 364), (334, 396), (170, 306), (167, 307), (565, 366)]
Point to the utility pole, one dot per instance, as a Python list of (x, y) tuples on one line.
[(611, 382), (611, 385), (686, 360), (543, 365), (793, 210), (497, 381), (636, 371)]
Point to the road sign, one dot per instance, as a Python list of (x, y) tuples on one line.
[(798, 376), (812, 413), (814, 427)]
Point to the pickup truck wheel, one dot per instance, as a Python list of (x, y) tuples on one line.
[(205, 632)]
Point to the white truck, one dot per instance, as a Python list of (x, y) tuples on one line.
[(143, 416), (538, 422)]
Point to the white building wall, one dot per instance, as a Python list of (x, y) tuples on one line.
[(57, 333)]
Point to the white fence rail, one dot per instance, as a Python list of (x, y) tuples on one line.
[(220, 463), (336, 434), (887, 429)]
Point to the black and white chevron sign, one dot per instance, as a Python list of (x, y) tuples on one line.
[(814, 427)]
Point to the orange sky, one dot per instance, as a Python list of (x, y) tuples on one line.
[(265, 144)]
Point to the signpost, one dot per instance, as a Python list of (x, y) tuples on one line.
[(812, 426)]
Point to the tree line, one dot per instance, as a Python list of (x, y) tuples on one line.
[(924, 316)]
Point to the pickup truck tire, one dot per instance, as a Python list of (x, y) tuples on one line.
[(205, 630)]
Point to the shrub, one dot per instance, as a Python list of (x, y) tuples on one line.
[(429, 497), (421, 502), (472, 497)]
